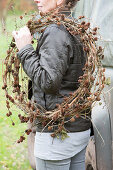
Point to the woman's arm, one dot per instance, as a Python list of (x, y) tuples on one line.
[(47, 69)]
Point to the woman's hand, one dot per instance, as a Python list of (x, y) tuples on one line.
[(22, 37)]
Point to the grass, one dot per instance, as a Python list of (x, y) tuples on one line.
[(13, 156)]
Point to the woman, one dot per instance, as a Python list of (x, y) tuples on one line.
[(54, 69)]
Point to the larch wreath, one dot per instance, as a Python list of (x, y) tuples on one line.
[(77, 104)]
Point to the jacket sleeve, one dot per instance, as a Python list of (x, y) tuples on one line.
[(47, 68)]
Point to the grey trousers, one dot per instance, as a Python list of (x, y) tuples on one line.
[(76, 162)]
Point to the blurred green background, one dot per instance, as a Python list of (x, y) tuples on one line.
[(13, 156)]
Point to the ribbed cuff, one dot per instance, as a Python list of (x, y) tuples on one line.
[(27, 48)]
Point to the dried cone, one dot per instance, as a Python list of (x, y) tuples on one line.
[(50, 128), (72, 119)]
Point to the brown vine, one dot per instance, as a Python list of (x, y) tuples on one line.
[(75, 104)]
